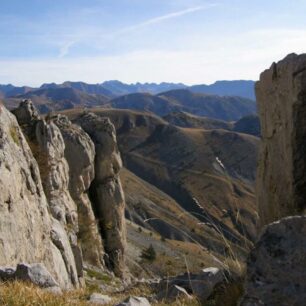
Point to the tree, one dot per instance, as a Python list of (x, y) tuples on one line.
[(149, 253)]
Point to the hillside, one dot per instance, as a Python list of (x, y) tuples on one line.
[(248, 124), (196, 174), (217, 107), (222, 108), (183, 119)]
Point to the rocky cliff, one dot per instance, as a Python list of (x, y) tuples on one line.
[(275, 269), (51, 165), (281, 180)]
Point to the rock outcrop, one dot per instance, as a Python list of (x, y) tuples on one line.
[(106, 192), (276, 266), (48, 147), (25, 222), (281, 180), (55, 165), (80, 155)]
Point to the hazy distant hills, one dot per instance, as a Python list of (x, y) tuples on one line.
[(11, 91), (57, 98), (219, 101), (119, 88), (228, 88), (116, 88), (183, 100), (96, 89)]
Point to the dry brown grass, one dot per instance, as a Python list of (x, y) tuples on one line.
[(25, 294)]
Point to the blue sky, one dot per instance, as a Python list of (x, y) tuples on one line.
[(190, 41)]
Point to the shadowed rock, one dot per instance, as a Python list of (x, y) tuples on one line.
[(281, 180)]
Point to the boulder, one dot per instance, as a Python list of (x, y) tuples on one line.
[(36, 274), (281, 180), (99, 299), (276, 266), (200, 285), (172, 293), (135, 301)]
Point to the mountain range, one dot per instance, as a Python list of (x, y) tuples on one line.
[(54, 97), (116, 88)]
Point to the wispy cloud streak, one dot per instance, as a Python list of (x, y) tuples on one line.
[(163, 18), (65, 48)]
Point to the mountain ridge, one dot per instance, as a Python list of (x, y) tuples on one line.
[(114, 88)]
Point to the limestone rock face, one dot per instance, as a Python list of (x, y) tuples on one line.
[(25, 223), (281, 179), (48, 147), (276, 266), (80, 155), (106, 192)]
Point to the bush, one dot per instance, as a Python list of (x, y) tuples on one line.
[(149, 253)]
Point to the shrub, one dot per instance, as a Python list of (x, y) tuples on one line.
[(149, 253)]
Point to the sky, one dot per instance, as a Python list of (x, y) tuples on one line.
[(188, 41)]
